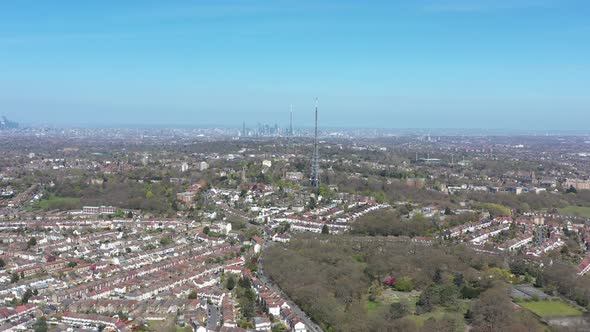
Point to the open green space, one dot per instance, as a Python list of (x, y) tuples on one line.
[(439, 314), (572, 210), (551, 308), (373, 305), (410, 298), (389, 296), (57, 202)]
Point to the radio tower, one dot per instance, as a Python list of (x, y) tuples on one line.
[(291, 121), (314, 180)]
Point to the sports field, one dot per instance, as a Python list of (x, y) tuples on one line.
[(572, 210), (551, 308)]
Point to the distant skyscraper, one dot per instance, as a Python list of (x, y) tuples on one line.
[(244, 128), (314, 179), (7, 124)]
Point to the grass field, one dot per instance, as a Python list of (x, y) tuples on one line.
[(551, 308), (373, 305), (572, 210), (456, 312), (64, 203), (390, 296), (440, 313)]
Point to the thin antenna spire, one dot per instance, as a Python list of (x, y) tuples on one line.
[(316, 123), (291, 120), (315, 161)]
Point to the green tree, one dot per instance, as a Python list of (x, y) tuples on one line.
[(32, 242), (325, 229), (404, 284), (445, 295), (166, 240), (40, 325), (324, 190), (492, 311), (398, 310), (192, 295), (312, 204), (231, 282), (122, 315), (26, 296), (380, 197), (244, 282), (280, 327), (247, 303), (458, 279)]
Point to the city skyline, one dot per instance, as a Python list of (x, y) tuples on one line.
[(426, 64)]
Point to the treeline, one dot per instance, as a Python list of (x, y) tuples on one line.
[(333, 278), (561, 277), (531, 201), (158, 197), (557, 278), (392, 189), (390, 223)]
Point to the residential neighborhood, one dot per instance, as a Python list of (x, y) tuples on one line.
[(191, 237)]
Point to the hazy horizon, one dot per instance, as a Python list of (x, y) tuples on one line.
[(324, 130), (515, 65)]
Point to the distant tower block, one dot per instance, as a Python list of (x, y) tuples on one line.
[(314, 179)]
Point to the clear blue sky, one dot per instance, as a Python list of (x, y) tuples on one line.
[(399, 64)]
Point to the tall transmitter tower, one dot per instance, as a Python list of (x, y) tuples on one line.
[(314, 179), (291, 120)]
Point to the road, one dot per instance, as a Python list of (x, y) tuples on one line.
[(311, 326)]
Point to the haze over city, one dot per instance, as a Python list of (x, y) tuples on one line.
[(505, 64)]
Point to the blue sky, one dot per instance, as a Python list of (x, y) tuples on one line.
[(522, 64)]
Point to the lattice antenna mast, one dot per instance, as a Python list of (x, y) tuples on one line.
[(315, 162)]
